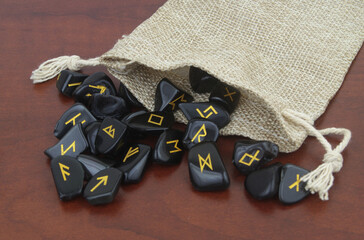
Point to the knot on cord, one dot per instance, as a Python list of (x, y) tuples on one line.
[(335, 159), (52, 67), (321, 179), (73, 63)]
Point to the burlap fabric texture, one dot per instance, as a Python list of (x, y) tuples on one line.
[(288, 59)]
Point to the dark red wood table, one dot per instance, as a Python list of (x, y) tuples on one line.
[(164, 205)]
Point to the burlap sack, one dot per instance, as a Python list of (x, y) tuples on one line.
[(288, 59)]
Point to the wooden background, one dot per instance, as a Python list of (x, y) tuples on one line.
[(164, 205)]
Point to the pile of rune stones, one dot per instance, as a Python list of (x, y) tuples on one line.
[(93, 144)]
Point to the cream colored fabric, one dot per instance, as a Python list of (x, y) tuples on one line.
[(282, 55), (288, 59)]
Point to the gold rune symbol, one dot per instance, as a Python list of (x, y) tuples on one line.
[(296, 183), (73, 146), (173, 103), (157, 116), (131, 152), (102, 179), (252, 158), (73, 120), (199, 135), (102, 88), (205, 161), (229, 94), (74, 84), (109, 131), (177, 149), (63, 171), (206, 110)]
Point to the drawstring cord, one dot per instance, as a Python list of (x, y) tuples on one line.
[(321, 179), (52, 67)]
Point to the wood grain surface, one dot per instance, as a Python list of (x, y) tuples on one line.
[(164, 205)]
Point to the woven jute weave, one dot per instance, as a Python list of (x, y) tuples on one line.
[(281, 55), (288, 59)]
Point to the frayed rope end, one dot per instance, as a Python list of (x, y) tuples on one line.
[(52, 67), (321, 179)]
